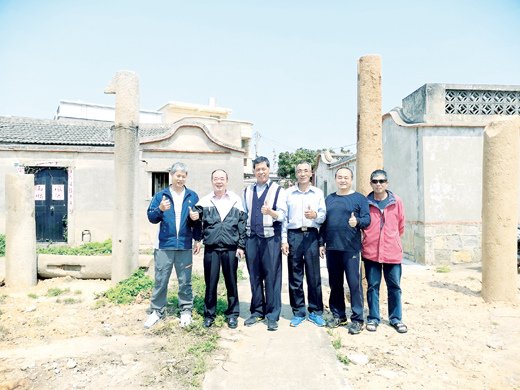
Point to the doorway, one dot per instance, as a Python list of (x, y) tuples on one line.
[(51, 197)]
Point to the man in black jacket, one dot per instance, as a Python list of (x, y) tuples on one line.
[(224, 231)]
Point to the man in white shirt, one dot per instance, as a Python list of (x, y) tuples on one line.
[(300, 242)]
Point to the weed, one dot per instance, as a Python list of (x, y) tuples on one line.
[(78, 292), (336, 342), (32, 295), (443, 269), (343, 359), (55, 291), (2, 245), (127, 290)]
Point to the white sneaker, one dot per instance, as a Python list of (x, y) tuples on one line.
[(185, 319), (152, 319)]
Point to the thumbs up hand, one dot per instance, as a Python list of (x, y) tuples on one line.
[(265, 209), (352, 220), (165, 204), (310, 214), (193, 214)]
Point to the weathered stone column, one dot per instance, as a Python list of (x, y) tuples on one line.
[(125, 240), (20, 263), (500, 183), (369, 122)]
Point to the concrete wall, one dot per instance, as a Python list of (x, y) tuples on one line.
[(437, 171)]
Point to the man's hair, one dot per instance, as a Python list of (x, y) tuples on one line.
[(216, 170), (178, 166), (378, 172), (347, 168), (301, 163), (260, 160)]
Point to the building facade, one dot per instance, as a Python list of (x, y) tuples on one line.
[(72, 160)]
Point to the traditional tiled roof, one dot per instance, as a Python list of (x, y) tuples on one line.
[(22, 130)]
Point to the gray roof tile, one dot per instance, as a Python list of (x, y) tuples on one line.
[(64, 132)]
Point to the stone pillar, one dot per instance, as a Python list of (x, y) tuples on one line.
[(125, 239), (369, 122), (500, 183), (21, 264)]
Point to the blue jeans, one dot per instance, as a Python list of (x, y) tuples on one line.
[(392, 274)]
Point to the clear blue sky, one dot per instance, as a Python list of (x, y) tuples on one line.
[(290, 67)]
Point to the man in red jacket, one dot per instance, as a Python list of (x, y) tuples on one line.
[(382, 251)]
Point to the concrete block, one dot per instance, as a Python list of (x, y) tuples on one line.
[(81, 267)]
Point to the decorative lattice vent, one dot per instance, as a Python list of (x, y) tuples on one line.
[(468, 102)]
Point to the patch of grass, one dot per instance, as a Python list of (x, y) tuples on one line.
[(55, 291), (78, 292), (204, 346), (343, 359), (2, 245), (32, 295), (87, 249), (127, 290), (443, 269)]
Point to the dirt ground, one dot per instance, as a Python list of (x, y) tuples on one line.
[(455, 340)]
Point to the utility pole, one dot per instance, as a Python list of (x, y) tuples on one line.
[(257, 141)]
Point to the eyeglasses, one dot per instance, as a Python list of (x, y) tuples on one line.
[(380, 181)]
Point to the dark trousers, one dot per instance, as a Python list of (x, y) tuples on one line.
[(348, 263), (303, 259), (213, 259), (264, 264)]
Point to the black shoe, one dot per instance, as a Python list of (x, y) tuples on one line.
[(232, 322), (336, 321), (272, 325), (253, 320), (208, 322), (355, 327)]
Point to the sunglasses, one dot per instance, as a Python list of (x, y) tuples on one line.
[(380, 181)]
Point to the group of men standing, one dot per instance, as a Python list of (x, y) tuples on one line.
[(265, 221)]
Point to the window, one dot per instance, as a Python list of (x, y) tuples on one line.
[(160, 180)]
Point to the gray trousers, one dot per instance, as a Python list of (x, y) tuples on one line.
[(164, 260)]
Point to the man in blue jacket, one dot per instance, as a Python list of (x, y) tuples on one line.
[(170, 207)]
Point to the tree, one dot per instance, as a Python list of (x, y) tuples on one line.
[(287, 161)]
